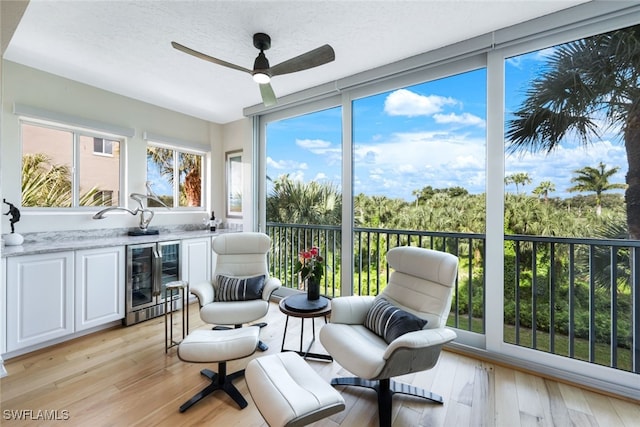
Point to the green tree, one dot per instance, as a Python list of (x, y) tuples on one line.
[(584, 82), (188, 165), (520, 178), (47, 185), (543, 189), (595, 180), (296, 202)]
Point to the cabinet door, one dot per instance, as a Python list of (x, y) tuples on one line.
[(100, 284), (196, 259), (3, 305), (39, 298)]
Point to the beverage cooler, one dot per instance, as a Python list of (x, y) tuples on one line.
[(150, 266)]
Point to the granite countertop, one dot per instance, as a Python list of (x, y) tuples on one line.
[(37, 243)]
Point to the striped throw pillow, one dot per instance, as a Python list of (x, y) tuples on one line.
[(389, 322), (239, 288)]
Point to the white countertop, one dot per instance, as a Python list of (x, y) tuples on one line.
[(69, 241)]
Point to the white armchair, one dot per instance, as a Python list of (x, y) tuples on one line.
[(239, 256), (363, 340)]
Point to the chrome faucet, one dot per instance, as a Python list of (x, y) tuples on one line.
[(146, 215)]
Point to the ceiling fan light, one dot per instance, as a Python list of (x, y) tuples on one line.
[(261, 78)]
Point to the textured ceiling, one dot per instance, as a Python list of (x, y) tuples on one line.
[(124, 46)]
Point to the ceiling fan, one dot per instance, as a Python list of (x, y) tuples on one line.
[(262, 72)]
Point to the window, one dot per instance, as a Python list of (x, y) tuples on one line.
[(175, 176), (419, 156), (568, 132), (234, 184), (304, 185), (104, 198), (102, 146), (60, 168)]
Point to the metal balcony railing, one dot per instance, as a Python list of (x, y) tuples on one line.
[(572, 297)]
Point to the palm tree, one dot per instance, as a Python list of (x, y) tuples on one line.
[(585, 81), (296, 202), (543, 189), (595, 180), (189, 165), (47, 185), (520, 178)]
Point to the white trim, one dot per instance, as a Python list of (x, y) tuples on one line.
[(175, 143), (494, 203), (29, 112), (346, 265)]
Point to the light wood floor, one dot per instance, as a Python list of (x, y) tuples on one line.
[(122, 377)]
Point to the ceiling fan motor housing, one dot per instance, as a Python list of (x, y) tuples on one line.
[(261, 41)]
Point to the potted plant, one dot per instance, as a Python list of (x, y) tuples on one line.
[(310, 265)]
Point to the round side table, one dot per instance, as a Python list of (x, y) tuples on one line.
[(305, 314)]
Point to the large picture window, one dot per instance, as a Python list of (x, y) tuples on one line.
[(66, 168), (571, 117)]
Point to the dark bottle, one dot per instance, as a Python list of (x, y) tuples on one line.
[(212, 224)]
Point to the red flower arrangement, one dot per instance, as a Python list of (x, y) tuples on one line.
[(310, 264)]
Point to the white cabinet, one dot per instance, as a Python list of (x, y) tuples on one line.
[(99, 286), (39, 298), (196, 260), (3, 319)]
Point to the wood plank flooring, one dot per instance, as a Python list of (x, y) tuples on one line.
[(122, 377)]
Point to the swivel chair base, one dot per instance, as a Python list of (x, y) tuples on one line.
[(219, 381), (385, 389)]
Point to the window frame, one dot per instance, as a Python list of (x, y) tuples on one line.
[(103, 152), (179, 149), (77, 132), (230, 184)]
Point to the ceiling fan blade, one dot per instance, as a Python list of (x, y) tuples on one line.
[(268, 96), (209, 58), (313, 58)]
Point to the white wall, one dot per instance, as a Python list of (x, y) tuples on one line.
[(238, 136), (45, 91)]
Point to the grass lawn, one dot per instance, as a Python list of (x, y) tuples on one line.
[(561, 344)]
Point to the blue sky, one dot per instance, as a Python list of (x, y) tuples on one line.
[(427, 134)]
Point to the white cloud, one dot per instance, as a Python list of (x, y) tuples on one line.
[(410, 161), (465, 119), (316, 146), (320, 176), (285, 164), (403, 102)]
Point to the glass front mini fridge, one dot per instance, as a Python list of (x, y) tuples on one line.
[(150, 266)]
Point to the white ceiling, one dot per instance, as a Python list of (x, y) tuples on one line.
[(124, 46)]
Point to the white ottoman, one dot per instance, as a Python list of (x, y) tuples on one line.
[(207, 346), (288, 392)]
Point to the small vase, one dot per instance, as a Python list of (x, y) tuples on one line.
[(313, 289)]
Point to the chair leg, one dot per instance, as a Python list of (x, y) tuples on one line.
[(219, 381), (384, 402), (385, 390), (403, 388)]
